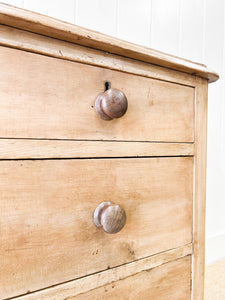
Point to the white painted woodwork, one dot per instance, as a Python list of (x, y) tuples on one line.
[(165, 26), (64, 10), (99, 15), (191, 28), (134, 22)]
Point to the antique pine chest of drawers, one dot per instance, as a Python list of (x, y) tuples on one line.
[(102, 170)]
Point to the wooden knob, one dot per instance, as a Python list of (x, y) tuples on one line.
[(111, 104), (109, 216)]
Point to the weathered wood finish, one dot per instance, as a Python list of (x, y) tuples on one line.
[(25, 148), (59, 102), (111, 104), (159, 284), (151, 162), (109, 216), (44, 25), (91, 282), (28, 41), (47, 208), (200, 192)]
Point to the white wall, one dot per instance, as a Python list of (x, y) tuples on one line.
[(193, 29)]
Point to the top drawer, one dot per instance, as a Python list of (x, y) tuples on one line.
[(45, 97)]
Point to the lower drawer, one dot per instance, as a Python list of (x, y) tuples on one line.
[(170, 281), (47, 233)]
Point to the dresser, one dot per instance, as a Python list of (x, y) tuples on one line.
[(102, 165)]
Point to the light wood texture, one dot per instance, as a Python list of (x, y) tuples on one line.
[(199, 192), (55, 99), (36, 43), (169, 281), (44, 25), (25, 148), (83, 285), (47, 230), (214, 281), (51, 74)]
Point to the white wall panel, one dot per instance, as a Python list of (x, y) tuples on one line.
[(100, 15), (215, 247), (18, 3), (214, 57), (165, 25), (191, 30), (134, 21), (64, 10)]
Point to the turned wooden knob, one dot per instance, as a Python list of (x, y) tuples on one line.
[(111, 104), (109, 216)]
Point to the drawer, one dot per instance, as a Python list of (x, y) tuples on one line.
[(45, 97), (47, 230), (169, 281)]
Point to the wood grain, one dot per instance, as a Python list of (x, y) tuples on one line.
[(25, 148), (47, 233), (169, 281), (53, 98), (44, 25), (112, 104), (24, 40), (47, 230), (200, 192), (91, 282), (109, 216)]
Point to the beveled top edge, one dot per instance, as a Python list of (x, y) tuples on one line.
[(48, 26)]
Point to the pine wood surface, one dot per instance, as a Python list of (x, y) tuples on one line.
[(47, 208), (32, 42), (31, 148), (199, 192), (44, 25), (159, 284), (91, 282), (55, 99), (46, 204)]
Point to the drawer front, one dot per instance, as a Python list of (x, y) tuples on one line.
[(45, 97), (169, 281), (47, 231)]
